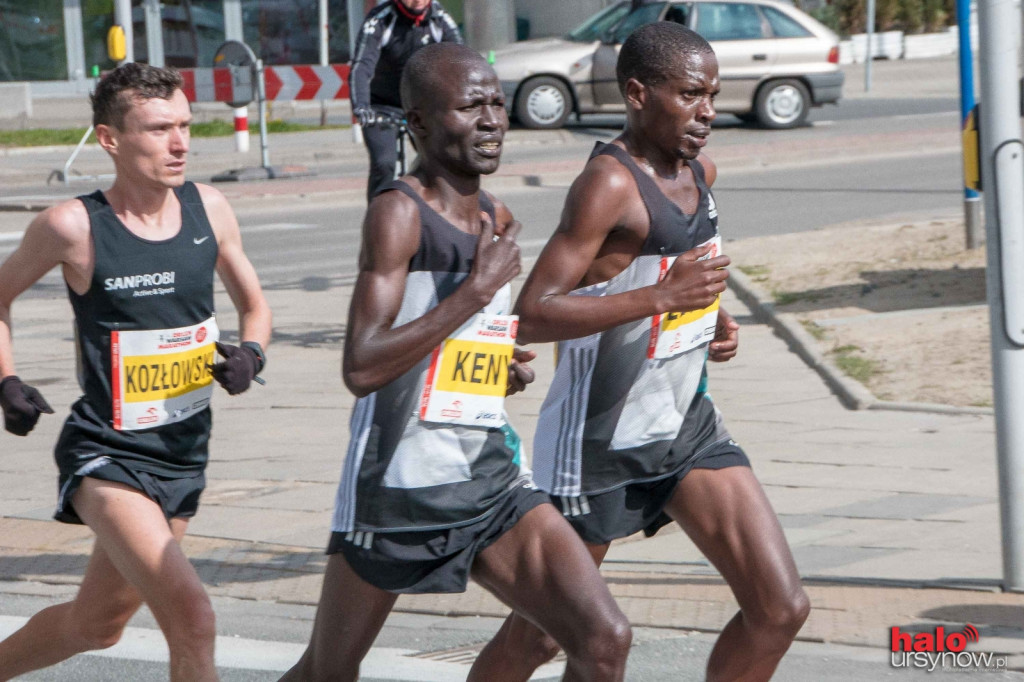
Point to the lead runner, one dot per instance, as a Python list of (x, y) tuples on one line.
[(138, 261)]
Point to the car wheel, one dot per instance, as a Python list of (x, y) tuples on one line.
[(543, 103), (782, 104)]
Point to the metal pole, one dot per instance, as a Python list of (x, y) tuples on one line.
[(154, 33), (324, 53), (1002, 161), (261, 92), (869, 51), (123, 18), (972, 200)]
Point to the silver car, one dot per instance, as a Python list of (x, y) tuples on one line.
[(775, 62)]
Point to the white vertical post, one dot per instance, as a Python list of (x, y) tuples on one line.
[(1002, 160), (233, 27), (869, 53), (154, 33)]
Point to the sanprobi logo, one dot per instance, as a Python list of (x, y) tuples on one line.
[(942, 650)]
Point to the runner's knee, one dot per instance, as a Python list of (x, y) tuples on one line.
[(194, 622), (784, 617), (608, 644), (538, 650)]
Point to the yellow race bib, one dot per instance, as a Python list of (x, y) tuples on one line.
[(468, 374), (161, 376)]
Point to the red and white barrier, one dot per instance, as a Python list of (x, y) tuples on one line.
[(283, 83)]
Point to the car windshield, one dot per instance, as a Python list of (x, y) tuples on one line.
[(596, 26)]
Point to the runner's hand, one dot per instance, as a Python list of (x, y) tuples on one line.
[(692, 284), (366, 116), (497, 258), (238, 369), (22, 406), (519, 372), (727, 338)]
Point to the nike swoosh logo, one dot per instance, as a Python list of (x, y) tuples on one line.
[(197, 242)]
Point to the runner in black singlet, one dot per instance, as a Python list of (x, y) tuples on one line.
[(138, 261), (433, 490), (628, 438)]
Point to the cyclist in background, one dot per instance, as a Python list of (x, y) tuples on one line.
[(390, 34)]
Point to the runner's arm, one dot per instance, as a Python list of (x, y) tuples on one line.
[(235, 270), (597, 204), (376, 353), (59, 234)]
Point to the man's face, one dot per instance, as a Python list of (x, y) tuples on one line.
[(679, 111), (153, 141), (415, 6), (465, 122)]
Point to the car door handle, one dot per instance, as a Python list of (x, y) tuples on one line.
[(760, 57)]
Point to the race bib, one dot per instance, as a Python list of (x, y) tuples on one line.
[(675, 333), (161, 376), (468, 373)]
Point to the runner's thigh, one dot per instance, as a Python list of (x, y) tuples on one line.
[(727, 515), (542, 570)]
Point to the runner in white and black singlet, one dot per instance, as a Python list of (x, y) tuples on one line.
[(433, 489), (628, 438), (138, 261)]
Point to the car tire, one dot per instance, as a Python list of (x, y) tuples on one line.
[(782, 104), (543, 103)]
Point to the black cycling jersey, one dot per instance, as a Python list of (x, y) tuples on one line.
[(388, 37)]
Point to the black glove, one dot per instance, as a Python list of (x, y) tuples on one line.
[(22, 406), (365, 115), (240, 366)]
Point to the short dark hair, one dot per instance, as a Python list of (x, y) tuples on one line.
[(115, 92), (654, 51), (429, 66)]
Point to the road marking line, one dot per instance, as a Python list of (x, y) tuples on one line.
[(144, 644)]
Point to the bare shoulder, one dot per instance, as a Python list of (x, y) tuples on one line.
[(391, 230), (213, 198), (710, 169), (502, 213), (66, 223), (605, 173)]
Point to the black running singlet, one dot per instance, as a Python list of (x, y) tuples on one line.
[(402, 472), (144, 333)]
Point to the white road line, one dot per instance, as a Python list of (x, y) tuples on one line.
[(143, 644), (8, 237)]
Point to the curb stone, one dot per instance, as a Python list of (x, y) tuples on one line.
[(852, 394)]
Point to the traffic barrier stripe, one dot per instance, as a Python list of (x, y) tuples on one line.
[(305, 82)]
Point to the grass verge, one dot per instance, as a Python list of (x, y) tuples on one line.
[(41, 137), (855, 366)]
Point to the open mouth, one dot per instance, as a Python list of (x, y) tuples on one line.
[(489, 147)]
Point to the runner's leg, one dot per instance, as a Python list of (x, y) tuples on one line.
[(727, 515), (136, 538), (350, 614), (95, 619), (542, 570)]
